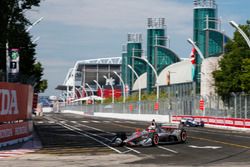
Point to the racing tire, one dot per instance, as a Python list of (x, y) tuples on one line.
[(202, 124), (122, 135), (183, 136), (155, 140)]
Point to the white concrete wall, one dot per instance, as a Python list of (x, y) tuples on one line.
[(179, 72), (207, 81)]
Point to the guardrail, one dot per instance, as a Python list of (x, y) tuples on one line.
[(237, 106), (228, 122)]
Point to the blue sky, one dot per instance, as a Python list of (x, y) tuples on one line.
[(85, 29)]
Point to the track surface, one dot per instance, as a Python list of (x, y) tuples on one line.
[(68, 134)]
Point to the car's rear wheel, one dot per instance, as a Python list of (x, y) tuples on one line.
[(155, 140), (183, 136)]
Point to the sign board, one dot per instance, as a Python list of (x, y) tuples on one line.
[(202, 107), (15, 101), (14, 60)]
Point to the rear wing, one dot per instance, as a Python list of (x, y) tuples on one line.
[(170, 126)]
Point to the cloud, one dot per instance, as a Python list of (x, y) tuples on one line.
[(116, 14)]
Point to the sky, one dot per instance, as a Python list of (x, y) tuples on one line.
[(75, 30)]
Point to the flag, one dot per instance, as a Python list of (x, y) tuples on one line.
[(192, 60)]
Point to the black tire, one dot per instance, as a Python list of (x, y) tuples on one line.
[(202, 123), (122, 135), (155, 139), (183, 136)]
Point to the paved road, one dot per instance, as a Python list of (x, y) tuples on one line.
[(73, 140)]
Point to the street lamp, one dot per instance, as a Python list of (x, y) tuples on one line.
[(156, 76), (91, 91), (83, 89), (35, 40), (113, 96), (33, 24), (90, 88), (123, 85), (236, 26), (139, 84), (196, 48), (98, 85)]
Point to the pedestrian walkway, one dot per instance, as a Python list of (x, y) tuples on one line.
[(28, 147)]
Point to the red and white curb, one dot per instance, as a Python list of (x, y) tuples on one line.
[(14, 153)]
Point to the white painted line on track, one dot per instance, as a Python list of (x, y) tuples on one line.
[(40, 122), (138, 152), (164, 148), (74, 122), (85, 121), (95, 121), (106, 121), (71, 128), (51, 122), (130, 122), (105, 139), (101, 136)]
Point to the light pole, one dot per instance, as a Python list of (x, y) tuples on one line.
[(139, 83), (99, 86), (139, 86), (83, 89), (196, 48), (156, 76), (133, 55), (236, 26), (123, 85), (91, 92), (33, 24), (7, 46), (113, 96)]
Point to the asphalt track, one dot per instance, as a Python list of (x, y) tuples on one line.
[(69, 134)]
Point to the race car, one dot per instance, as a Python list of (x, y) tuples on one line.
[(160, 134), (189, 121)]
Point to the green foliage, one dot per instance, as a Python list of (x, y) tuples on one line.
[(135, 96), (234, 74), (12, 30)]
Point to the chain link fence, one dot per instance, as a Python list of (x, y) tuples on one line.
[(236, 106)]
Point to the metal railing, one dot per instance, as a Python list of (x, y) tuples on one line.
[(236, 106)]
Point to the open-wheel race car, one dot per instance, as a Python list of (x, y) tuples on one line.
[(153, 135), (189, 121)]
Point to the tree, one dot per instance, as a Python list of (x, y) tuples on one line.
[(233, 74), (13, 24)]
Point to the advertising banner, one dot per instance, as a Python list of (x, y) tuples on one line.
[(10, 132), (230, 122), (15, 101)]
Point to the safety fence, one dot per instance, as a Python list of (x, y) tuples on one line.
[(219, 121), (236, 106)]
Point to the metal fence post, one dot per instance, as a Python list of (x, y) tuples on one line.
[(245, 107)]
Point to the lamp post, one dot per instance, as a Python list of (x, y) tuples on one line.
[(33, 24), (236, 26), (7, 46), (156, 76), (133, 55), (113, 96), (123, 85), (139, 85), (196, 48), (98, 85), (91, 91), (83, 89)]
